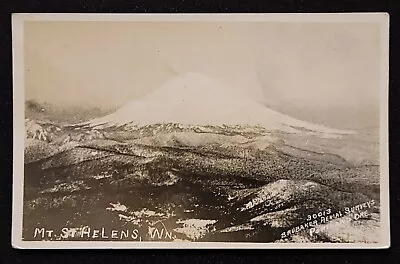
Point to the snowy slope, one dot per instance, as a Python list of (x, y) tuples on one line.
[(195, 99)]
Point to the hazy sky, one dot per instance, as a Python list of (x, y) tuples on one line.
[(318, 69)]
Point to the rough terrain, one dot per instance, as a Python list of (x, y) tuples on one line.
[(200, 183)]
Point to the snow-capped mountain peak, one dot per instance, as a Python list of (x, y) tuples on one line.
[(195, 99)]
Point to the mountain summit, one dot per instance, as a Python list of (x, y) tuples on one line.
[(195, 99)]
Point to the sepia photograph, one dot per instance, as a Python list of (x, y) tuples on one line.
[(200, 131)]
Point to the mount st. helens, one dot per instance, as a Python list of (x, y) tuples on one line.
[(205, 164), (195, 99)]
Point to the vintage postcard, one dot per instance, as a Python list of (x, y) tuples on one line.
[(201, 131)]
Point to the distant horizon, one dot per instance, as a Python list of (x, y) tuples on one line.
[(326, 73), (83, 113)]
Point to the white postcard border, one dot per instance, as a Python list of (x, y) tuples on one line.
[(18, 125)]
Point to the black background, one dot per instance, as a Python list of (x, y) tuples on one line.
[(9, 255)]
